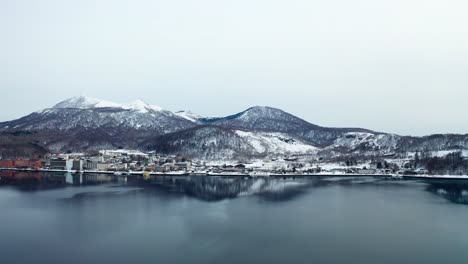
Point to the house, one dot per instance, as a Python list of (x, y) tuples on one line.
[(96, 165), (6, 164), (101, 166), (120, 166), (187, 165), (61, 164), (162, 168)]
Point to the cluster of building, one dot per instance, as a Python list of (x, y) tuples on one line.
[(118, 160), (136, 161), (21, 164)]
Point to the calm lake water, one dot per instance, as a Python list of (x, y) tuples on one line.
[(103, 219)]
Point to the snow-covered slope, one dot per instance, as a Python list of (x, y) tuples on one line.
[(192, 117), (359, 142), (214, 142), (275, 143), (204, 142)]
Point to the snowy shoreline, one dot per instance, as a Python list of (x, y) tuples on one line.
[(323, 174)]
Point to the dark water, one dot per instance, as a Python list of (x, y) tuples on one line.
[(104, 219)]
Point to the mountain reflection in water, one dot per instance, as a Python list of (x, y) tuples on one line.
[(75, 219), (210, 188), (456, 192), (219, 188)]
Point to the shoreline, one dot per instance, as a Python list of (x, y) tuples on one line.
[(288, 175)]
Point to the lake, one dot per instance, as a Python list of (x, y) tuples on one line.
[(57, 218)]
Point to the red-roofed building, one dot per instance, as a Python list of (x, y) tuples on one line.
[(33, 164)]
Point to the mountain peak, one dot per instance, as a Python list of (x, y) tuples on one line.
[(84, 102), (263, 109), (141, 106), (262, 112), (260, 107)]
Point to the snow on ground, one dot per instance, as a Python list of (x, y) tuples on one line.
[(141, 106), (189, 116), (336, 165), (441, 153), (275, 142), (254, 164), (218, 162), (122, 151), (331, 166)]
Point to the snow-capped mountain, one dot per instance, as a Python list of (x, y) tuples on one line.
[(263, 118), (85, 112), (267, 131), (82, 102), (84, 124)]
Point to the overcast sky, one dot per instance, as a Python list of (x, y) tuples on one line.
[(397, 66)]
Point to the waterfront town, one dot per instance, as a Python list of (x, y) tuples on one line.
[(129, 162)]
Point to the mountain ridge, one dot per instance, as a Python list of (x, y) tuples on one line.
[(85, 124)]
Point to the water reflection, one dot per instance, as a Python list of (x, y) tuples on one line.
[(219, 188), (19, 177), (455, 192), (200, 187), (304, 220)]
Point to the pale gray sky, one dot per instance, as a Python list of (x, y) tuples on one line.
[(396, 66)]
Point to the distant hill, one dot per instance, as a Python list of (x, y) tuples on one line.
[(87, 124)]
